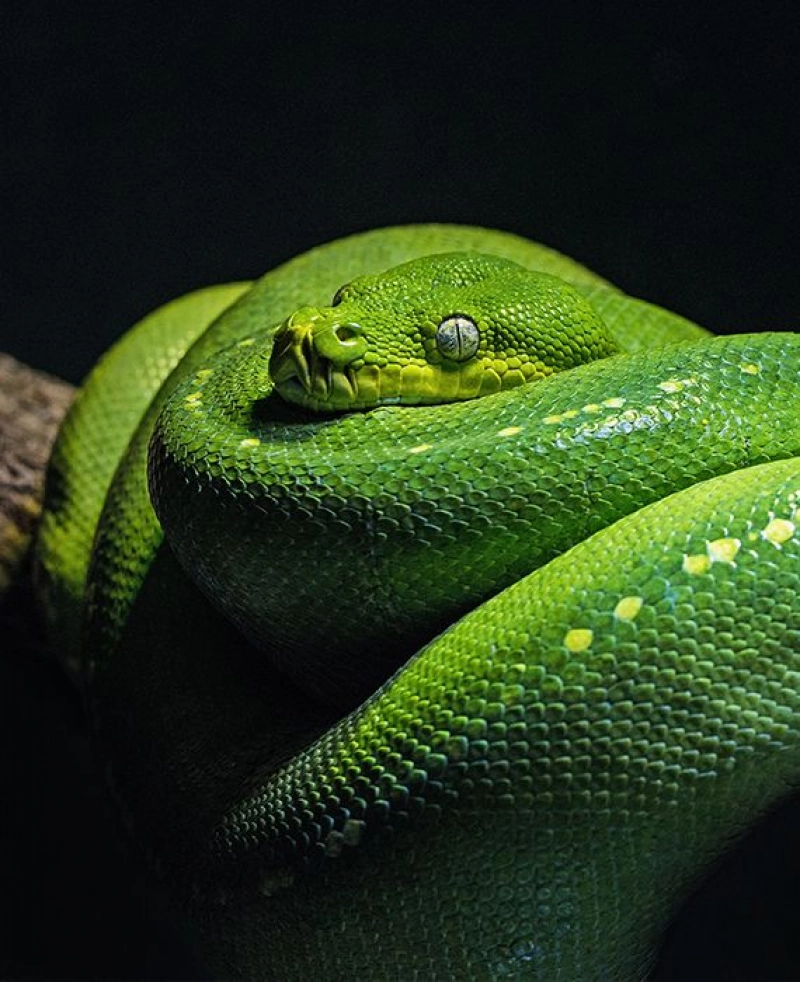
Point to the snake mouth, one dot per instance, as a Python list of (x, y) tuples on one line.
[(326, 389)]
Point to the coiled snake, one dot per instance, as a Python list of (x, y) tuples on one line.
[(563, 523)]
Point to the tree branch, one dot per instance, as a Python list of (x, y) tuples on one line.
[(32, 405)]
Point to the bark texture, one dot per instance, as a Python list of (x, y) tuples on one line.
[(32, 405)]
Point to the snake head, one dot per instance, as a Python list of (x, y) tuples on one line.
[(437, 329)]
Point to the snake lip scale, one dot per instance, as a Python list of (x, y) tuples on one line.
[(424, 630)]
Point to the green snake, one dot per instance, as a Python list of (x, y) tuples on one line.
[(436, 606)]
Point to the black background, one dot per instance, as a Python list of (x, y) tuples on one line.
[(148, 151)]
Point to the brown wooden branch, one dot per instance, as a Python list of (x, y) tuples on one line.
[(32, 405)]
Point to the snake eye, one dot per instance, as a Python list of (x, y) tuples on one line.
[(457, 337)]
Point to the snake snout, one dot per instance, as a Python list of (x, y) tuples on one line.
[(312, 357)]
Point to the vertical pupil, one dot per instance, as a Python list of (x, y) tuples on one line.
[(457, 338)]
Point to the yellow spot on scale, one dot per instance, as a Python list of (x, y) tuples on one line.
[(578, 639), (193, 397), (560, 417), (251, 441), (723, 550), (696, 565), (628, 608), (749, 368), (421, 448), (778, 531), (615, 402), (204, 374), (510, 431), (592, 407), (676, 384)]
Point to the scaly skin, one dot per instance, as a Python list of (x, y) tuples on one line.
[(532, 793)]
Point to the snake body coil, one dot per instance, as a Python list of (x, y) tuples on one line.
[(579, 575)]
